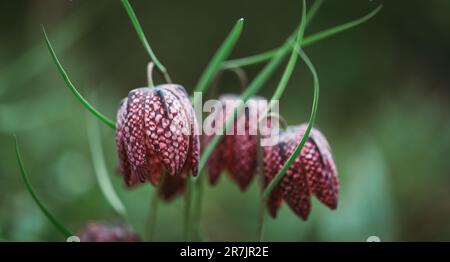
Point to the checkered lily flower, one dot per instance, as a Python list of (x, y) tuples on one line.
[(312, 173), (156, 128), (100, 232), (237, 152)]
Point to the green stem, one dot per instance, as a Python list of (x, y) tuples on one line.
[(101, 173), (222, 53), (255, 59), (198, 207), (58, 225), (154, 208), (72, 88), (32, 62), (141, 35), (153, 216), (312, 12), (252, 89), (312, 118), (291, 63), (260, 221), (276, 96), (187, 211), (262, 57)]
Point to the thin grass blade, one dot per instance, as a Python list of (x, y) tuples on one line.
[(252, 89), (340, 28), (101, 172), (72, 88), (309, 40), (141, 35), (58, 225), (311, 120), (255, 59)]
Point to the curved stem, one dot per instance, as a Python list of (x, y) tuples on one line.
[(187, 211), (60, 226), (72, 88), (252, 89), (259, 58), (198, 207), (153, 212), (101, 173), (34, 60), (150, 67), (240, 74), (154, 206), (312, 118), (260, 221), (262, 57), (276, 96), (141, 35)]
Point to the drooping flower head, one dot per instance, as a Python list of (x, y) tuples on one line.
[(156, 128), (312, 173), (101, 232), (237, 150)]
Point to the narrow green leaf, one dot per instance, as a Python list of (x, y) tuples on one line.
[(255, 59), (292, 61), (312, 118), (340, 28), (72, 88), (44, 210), (250, 60), (34, 60), (101, 172), (252, 89), (262, 57), (222, 53), (141, 35), (312, 12)]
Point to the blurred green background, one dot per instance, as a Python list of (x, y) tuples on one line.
[(384, 107)]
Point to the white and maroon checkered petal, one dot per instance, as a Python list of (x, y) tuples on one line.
[(195, 147), (166, 127), (99, 232), (134, 135), (172, 186), (274, 202), (155, 169), (216, 164), (193, 158), (244, 153), (294, 184), (220, 157), (272, 163), (320, 168), (124, 165), (326, 183), (244, 149)]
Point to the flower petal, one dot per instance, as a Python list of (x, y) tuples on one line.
[(172, 186), (272, 164), (320, 168), (294, 184), (124, 165), (194, 147), (96, 232), (244, 151), (166, 126), (134, 135), (221, 157)]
